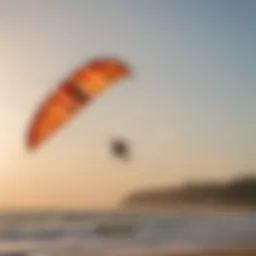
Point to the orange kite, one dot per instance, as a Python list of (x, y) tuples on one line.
[(76, 92)]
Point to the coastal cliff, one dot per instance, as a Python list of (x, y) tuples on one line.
[(237, 193)]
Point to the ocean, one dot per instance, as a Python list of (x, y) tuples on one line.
[(98, 233)]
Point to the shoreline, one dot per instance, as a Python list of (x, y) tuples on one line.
[(185, 210)]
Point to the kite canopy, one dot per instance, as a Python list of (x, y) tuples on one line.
[(72, 95)]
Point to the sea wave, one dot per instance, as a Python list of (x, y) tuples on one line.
[(124, 233)]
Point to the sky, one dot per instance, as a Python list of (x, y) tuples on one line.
[(188, 108)]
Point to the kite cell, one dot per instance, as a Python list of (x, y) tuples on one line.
[(72, 95)]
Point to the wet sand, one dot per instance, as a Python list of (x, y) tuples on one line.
[(218, 254), (226, 253)]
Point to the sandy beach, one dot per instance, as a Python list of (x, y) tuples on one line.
[(219, 253), (224, 253), (241, 253)]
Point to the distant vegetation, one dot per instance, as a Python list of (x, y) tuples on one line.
[(240, 192)]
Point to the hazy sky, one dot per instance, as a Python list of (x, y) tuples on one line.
[(188, 109)]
